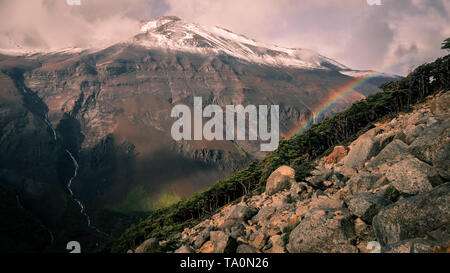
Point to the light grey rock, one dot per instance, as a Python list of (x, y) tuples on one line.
[(265, 213), (323, 230), (433, 147), (366, 146), (202, 237), (362, 182), (413, 131), (319, 175), (366, 206), (238, 214), (413, 176), (395, 151), (413, 217)]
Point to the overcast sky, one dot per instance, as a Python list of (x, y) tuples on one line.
[(393, 36)]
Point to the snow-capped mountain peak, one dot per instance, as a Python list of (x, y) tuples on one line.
[(171, 32)]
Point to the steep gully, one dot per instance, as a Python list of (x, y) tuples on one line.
[(35, 104), (76, 166)]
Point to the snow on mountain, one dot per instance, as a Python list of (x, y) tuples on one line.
[(173, 33)]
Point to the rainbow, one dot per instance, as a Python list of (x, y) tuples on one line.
[(340, 93)]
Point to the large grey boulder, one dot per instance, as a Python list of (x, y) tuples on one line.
[(413, 217), (395, 151), (413, 176), (365, 147), (366, 206), (323, 230), (281, 179), (433, 147), (362, 182), (238, 214)]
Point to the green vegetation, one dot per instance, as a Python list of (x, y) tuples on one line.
[(446, 44), (392, 194), (297, 152), (139, 200), (286, 233)]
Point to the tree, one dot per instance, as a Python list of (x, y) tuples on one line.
[(446, 44)]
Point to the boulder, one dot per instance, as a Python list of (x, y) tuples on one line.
[(366, 206), (238, 214), (244, 248), (147, 246), (319, 175), (202, 237), (323, 230), (413, 131), (413, 176), (264, 214), (281, 179), (222, 242), (325, 201), (395, 151), (365, 147), (362, 182), (413, 217), (258, 240), (434, 148)]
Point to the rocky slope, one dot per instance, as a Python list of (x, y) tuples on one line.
[(390, 186)]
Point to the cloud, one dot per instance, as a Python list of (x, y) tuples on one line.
[(53, 24), (391, 37)]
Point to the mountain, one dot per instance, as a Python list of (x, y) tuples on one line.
[(89, 129)]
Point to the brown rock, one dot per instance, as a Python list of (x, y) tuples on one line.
[(338, 153)]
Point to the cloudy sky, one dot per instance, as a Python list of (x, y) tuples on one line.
[(394, 36)]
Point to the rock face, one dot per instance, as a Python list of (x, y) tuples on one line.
[(281, 179), (389, 192), (413, 176)]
